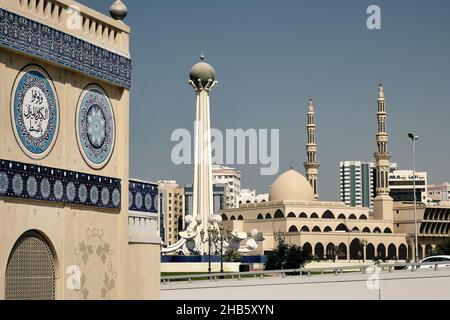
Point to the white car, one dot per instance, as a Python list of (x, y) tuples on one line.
[(429, 262)]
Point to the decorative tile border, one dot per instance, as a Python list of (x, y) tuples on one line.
[(39, 40), (31, 182), (142, 197)]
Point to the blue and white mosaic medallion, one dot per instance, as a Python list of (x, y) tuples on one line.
[(45, 188), (139, 200), (82, 193), (130, 198), (105, 196), (17, 185), (94, 195), (116, 197), (58, 190), (95, 126), (71, 191), (4, 183), (32, 187), (148, 201), (35, 112)]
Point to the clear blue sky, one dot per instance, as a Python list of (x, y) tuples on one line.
[(270, 56)]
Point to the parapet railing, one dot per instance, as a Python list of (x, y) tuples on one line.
[(364, 269), (76, 19), (143, 228)]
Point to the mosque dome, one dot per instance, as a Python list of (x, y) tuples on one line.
[(118, 10), (292, 186), (202, 71)]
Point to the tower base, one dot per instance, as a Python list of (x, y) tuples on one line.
[(383, 208)]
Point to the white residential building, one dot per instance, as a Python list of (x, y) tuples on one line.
[(439, 194), (249, 196), (357, 182), (232, 178), (401, 183)]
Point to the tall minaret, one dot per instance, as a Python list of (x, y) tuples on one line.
[(383, 203), (312, 165), (202, 79)]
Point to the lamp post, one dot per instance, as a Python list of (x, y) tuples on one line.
[(209, 239), (222, 236), (410, 242), (363, 244), (414, 138)]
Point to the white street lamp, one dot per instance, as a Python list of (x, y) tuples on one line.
[(414, 138)]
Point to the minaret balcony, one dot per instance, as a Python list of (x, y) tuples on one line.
[(311, 165)]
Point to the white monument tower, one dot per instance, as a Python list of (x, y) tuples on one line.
[(383, 203), (203, 221), (202, 79), (312, 165)]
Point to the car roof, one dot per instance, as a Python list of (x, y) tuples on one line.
[(447, 257)]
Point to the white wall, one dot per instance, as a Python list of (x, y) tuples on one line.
[(422, 284)]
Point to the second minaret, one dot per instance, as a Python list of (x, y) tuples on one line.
[(312, 165), (383, 203)]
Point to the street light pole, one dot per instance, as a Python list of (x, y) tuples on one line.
[(221, 231), (363, 244), (208, 239), (414, 138), (222, 239)]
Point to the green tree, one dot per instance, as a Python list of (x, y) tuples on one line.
[(232, 256), (287, 257), (443, 248)]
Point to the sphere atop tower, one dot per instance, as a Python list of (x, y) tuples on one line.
[(202, 71), (118, 10)]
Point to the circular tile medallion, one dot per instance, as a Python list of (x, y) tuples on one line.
[(95, 126), (35, 112)]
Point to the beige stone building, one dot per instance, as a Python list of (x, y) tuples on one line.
[(170, 209), (332, 230), (433, 225), (72, 226), (317, 226)]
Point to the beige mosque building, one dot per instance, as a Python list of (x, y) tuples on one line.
[(333, 230), (72, 223)]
